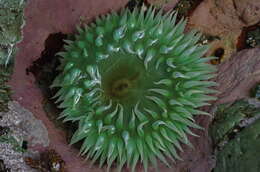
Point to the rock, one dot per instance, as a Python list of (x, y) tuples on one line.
[(22, 127), (216, 17), (12, 159), (227, 43), (248, 11), (238, 75), (165, 4), (226, 19)]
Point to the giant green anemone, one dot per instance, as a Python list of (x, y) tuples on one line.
[(133, 82)]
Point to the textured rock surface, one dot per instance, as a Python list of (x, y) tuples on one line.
[(216, 17), (23, 127), (238, 75), (12, 159), (236, 13), (226, 19), (165, 4)]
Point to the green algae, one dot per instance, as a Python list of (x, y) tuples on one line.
[(11, 22), (5, 91), (228, 116), (242, 153), (11, 140), (236, 136)]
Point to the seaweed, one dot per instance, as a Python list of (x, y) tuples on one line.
[(5, 137), (11, 22), (5, 92), (236, 136)]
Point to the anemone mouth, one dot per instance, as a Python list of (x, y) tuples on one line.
[(121, 80), (120, 88), (133, 85), (125, 81)]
